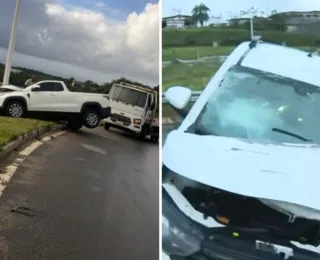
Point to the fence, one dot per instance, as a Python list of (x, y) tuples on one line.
[(194, 97)]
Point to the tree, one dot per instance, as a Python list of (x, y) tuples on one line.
[(164, 23), (200, 13)]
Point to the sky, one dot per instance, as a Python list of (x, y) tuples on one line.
[(231, 7), (85, 39)]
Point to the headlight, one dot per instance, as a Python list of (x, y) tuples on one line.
[(180, 235), (137, 121)]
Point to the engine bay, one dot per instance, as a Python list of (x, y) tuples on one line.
[(234, 210)]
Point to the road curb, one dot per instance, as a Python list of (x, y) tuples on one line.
[(35, 134)]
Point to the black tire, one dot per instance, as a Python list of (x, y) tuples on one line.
[(106, 126), (15, 109), (91, 118), (143, 132), (155, 139), (75, 126)]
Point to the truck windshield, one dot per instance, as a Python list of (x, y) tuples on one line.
[(262, 107), (129, 96)]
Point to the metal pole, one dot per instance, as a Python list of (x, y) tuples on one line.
[(251, 28), (12, 42)]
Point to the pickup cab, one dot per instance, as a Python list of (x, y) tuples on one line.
[(52, 100)]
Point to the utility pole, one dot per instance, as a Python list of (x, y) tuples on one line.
[(12, 42), (251, 28)]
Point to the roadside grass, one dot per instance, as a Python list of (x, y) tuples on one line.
[(12, 128), (191, 53), (168, 111), (194, 76)]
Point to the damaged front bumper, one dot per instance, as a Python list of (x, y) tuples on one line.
[(183, 237)]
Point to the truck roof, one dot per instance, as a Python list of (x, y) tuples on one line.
[(146, 89)]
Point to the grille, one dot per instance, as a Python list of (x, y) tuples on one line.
[(121, 118)]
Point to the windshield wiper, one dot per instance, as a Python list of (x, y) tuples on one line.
[(291, 134)]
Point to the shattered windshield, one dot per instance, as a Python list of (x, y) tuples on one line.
[(259, 106)]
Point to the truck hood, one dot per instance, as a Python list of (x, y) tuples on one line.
[(284, 173), (10, 88)]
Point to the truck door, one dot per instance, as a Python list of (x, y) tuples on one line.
[(50, 97)]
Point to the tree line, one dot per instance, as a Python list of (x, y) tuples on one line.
[(201, 14), (19, 76)]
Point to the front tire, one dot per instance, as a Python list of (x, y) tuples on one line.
[(143, 132), (15, 109), (91, 118), (155, 139)]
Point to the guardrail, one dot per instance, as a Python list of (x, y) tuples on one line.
[(194, 97)]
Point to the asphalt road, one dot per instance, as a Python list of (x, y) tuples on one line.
[(95, 197)]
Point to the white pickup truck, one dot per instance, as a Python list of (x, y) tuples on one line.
[(51, 100)]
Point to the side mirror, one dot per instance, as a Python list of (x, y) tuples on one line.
[(35, 88), (178, 97)]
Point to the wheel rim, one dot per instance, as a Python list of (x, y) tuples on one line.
[(15, 110), (92, 119)]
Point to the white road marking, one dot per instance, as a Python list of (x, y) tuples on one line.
[(58, 134), (6, 176), (47, 138), (93, 148), (27, 151), (9, 171)]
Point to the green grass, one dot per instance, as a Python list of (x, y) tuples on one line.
[(191, 53), (194, 76), (12, 128), (168, 111)]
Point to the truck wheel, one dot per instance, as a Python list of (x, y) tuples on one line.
[(15, 109), (74, 126), (143, 132), (106, 126), (155, 139), (91, 118)]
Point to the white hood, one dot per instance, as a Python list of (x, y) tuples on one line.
[(272, 173), (10, 87)]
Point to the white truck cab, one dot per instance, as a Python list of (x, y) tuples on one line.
[(133, 109)]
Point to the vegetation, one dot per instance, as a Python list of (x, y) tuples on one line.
[(89, 86), (230, 37), (200, 14), (194, 76), (12, 128), (192, 53), (164, 23)]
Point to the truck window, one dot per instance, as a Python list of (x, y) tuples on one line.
[(129, 96), (116, 93), (50, 87)]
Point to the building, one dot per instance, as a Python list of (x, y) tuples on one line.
[(238, 21), (245, 19), (300, 22), (177, 21)]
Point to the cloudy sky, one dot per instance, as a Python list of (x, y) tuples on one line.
[(86, 39), (225, 7)]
